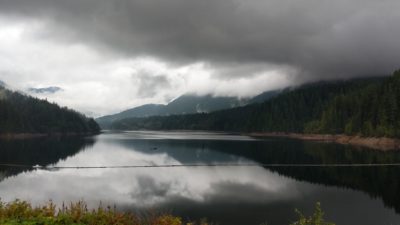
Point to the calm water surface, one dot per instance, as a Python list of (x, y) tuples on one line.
[(225, 195)]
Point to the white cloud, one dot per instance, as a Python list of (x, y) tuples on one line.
[(97, 83)]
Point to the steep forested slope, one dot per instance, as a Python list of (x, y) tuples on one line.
[(370, 111), (20, 113)]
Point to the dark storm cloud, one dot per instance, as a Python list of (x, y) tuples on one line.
[(319, 37)]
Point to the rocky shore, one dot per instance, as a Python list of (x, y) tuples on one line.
[(378, 143)]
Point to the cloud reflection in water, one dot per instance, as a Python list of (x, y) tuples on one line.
[(228, 195), (143, 186)]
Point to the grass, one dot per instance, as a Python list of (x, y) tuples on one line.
[(317, 218), (23, 213)]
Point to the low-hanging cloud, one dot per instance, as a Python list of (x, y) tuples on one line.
[(318, 38), (111, 55), (148, 84)]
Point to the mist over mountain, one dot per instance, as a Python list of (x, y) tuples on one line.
[(367, 107), (142, 52), (266, 95), (185, 104)]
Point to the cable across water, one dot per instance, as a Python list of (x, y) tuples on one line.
[(51, 167)]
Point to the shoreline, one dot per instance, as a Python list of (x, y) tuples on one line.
[(377, 143), (21, 136)]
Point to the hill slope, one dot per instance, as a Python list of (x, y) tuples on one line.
[(23, 114), (185, 104), (141, 111), (371, 111), (291, 111)]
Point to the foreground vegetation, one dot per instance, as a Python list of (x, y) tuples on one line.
[(23, 213), (366, 107), (317, 218)]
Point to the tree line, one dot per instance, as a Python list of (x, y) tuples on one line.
[(370, 111), (20, 113), (364, 106)]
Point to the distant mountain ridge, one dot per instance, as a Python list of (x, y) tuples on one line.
[(185, 104), (364, 106), (266, 95), (140, 111), (45, 90)]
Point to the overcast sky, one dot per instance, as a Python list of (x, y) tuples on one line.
[(110, 55)]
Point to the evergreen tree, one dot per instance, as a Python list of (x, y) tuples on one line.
[(23, 114)]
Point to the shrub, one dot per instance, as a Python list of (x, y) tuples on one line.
[(316, 219)]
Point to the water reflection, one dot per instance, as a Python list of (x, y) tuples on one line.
[(40, 151), (228, 195)]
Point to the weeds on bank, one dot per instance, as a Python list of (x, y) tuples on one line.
[(316, 219), (23, 213)]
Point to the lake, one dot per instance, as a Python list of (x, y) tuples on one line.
[(247, 188)]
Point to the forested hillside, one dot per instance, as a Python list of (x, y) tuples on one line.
[(370, 111), (23, 114), (185, 104), (304, 109)]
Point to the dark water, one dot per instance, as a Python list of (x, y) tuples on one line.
[(225, 195)]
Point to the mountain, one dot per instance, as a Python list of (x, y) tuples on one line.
[(294, 110), (186, 104), (45, 90), (20, 113), (141, 111), (370, 111), (264, 96)]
